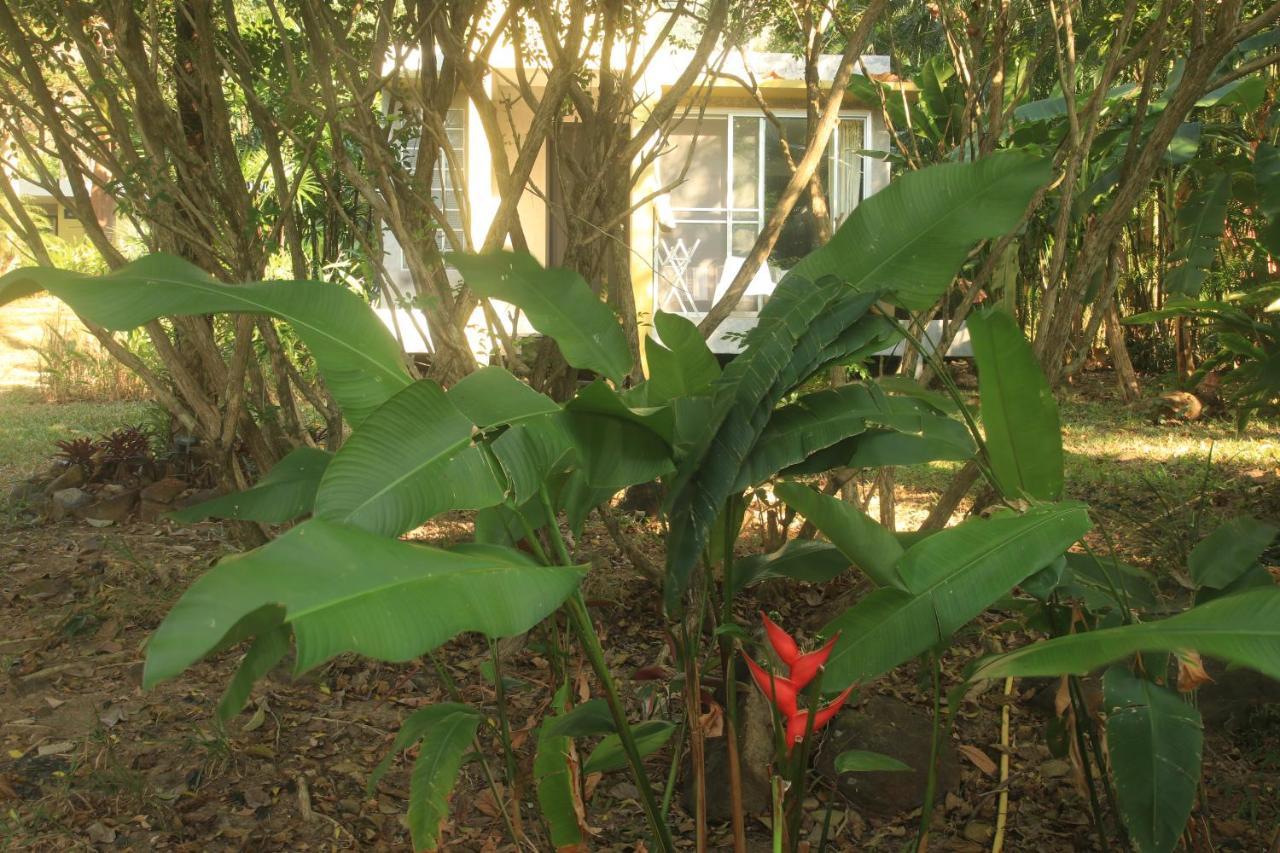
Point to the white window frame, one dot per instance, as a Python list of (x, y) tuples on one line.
[(730, 114)]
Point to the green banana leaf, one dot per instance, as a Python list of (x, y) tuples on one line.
[(799, 559), (361, 362), (608, 755), (950, 577), (1154, 741), (681, 365), (444, 732), (341, 589), (558, 303), (389, 475), (288, 491), (1201, 221), (491, 396), (556, 780), (911, 237), (1019, 413), (1242, 629), (866, 544), (1230, 551)]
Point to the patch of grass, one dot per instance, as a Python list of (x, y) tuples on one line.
[(29, 427)]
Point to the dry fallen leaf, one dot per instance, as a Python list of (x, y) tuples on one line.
[(979, 759)]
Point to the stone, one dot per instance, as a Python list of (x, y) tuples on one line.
[(199, 496), (72, 498), (164, 491), (152, 511), (25, 493), (755, 754), (115, 509), (72, 477), (979, 832), (1055, 768), (897, 729), (1235, 696)]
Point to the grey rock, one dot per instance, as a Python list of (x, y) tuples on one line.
[(755, 754), (164, 491), (71, 498), (71, 478), (115, 509), (897, 729), (25, 493)]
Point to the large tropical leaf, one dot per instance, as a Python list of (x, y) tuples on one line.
[(609, 755), (793, 337), (1242, 629), (1201, 221), (866, 544), (361, 362), (557, 779), (389, 476), (344, 590), (286, 492), (1019, 414), (1230, 551), (558, 303), (951, 577), (491, 396), (799, 559), (1154, 741), (911, 237), (798, 430), (445, 732), (681, 365), (942, 440)]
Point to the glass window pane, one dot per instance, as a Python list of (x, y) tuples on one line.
[(702, 145), (799, 234), (847, 191), (689, 262), (746, 163)]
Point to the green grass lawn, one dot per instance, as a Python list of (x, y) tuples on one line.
[(29, 427)]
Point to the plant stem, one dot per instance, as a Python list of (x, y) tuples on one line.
[(586, 631), (1081, 712), (504, 728), (935, 753), (669, 790), (727, 666)]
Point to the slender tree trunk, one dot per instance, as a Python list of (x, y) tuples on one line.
[(1126, 376)]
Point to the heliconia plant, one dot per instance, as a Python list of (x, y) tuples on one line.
[(342, 580)]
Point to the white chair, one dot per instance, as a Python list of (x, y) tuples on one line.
[(673, 262)]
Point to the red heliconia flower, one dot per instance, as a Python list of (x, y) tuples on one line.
[(798, 723), (784, 645), (783, 692), (778, 690), (805, 667)]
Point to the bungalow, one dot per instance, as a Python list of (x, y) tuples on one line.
[(726, 160)]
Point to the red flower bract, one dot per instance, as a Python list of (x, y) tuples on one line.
[(778, 690), (806, 667), (798, 723), (784, 646), (783, 692)]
